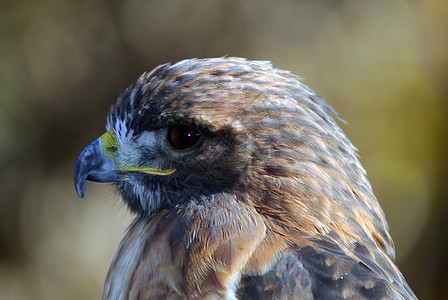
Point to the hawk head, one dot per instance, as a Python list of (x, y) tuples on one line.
[(241, 130), (228, 125)]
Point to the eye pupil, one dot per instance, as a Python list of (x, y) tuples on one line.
[(182, 137)]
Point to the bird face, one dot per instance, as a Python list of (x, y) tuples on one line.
[(157, 158)]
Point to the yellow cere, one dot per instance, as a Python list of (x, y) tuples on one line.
[(109, 144), (110, 147)]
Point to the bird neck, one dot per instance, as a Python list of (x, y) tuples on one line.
[(197, 250)]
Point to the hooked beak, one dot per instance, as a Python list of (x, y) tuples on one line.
[(98, 162), (93, 165)]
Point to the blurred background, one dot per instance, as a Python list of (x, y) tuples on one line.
[(382, 64)]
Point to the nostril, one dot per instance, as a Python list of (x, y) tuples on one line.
[(112, 149)]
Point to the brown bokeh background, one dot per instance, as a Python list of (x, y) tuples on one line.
[(382, 64)]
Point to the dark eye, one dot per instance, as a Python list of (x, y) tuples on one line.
[(182, 137)]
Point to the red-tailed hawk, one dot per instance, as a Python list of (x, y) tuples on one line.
[(243, 186)]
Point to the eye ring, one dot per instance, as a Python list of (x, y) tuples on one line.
[(182, 137)]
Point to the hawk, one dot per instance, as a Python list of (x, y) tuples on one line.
[(243, 187)]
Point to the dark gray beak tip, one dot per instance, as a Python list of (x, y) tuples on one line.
[(80, 178), (80, 188), (80, 193)]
